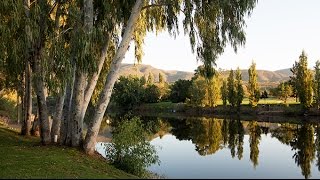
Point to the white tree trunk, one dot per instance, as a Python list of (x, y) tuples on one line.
[(76, 109), (105, 95), (56, 123), (94, 79), (80, 84)]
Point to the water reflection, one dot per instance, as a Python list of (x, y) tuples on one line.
[(211, 135), (304, 147)]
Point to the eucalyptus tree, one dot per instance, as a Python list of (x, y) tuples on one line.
[(210, 25), (83, 29), (253, 87), (18, 47)]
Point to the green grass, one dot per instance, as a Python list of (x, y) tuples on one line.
[(272, 100), (23, 157)]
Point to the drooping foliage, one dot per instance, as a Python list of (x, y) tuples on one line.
[(66, 41)]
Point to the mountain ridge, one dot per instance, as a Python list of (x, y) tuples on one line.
[(264, 76)]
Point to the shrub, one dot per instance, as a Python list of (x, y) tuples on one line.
[(129, 149)]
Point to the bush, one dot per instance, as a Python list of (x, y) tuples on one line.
[(129, 149)]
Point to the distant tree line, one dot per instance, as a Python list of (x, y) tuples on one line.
[(201, 90), (205, 90)]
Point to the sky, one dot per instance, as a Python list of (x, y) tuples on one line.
[(277, 31)]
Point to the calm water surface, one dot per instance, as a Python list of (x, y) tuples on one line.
[(223, 148)]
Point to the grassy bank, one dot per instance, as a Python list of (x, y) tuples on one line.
[(22, 157)]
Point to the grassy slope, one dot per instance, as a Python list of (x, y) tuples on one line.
[(22, 157)]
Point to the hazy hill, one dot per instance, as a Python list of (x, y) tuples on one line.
[(264, 76), (143, 70)]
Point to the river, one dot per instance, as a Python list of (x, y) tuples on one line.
[(206, 147)]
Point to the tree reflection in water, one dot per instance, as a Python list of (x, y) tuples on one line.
[(209, 135), (255, 136), (305, 148)]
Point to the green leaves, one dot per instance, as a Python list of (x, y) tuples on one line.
[(302, 79), (253, 88), (213, 24), (129, 150)]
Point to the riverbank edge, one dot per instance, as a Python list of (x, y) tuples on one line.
[(293, 110)]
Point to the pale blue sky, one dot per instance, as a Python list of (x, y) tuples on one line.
[(277, 32)]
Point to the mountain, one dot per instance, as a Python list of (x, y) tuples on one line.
[(265, 76), (143, 70), (268, 78)]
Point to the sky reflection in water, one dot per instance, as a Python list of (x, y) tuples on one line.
[(235, 149)]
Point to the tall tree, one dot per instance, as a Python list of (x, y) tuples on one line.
[(239, 89), (150, 80), (293, 79), (284, 91), (205, 91), (253, 88), (231, 89), (210, 26), (224, 92), (304, 81), (199, 92), (213, 88), (161, 79), (105, 95), (316, 84), (15, 64)]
